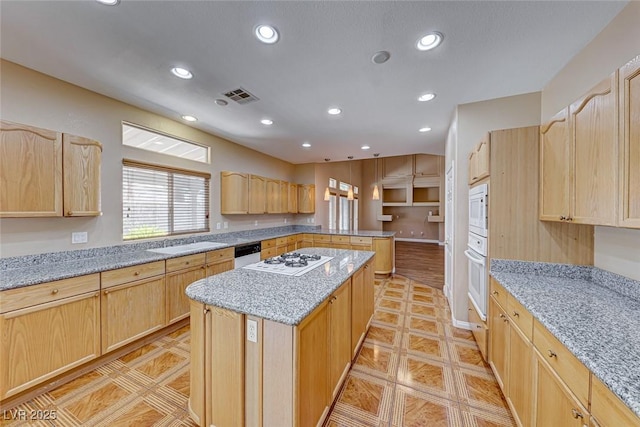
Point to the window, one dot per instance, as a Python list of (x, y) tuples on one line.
[(332, 182), (344, 186), (162, 201), (345, 213), (332, 211), (145, 139)]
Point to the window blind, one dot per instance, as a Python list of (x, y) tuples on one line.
[(163, 201)]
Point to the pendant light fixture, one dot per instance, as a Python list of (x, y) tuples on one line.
[(376, 192), (350, 192), (327, 193)]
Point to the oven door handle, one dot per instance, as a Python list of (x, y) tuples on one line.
[(475, 259)]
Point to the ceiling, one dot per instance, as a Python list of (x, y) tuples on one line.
[(323, 59)]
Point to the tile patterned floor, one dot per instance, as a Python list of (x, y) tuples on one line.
[(414, 369)]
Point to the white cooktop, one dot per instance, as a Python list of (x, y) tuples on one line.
[(288, 271)]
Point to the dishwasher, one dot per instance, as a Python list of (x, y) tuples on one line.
[(247, 254)]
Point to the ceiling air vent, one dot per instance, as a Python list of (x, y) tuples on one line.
[(241, 96)]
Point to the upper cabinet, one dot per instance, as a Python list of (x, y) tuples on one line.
[(427, 165), (284, 197), (257, 194), (630, 144), (81, 165), (273, 196), (479, 160), (579, 159), (397, 166), (234, 194), (306, 198), (44, 173), (293, 198)]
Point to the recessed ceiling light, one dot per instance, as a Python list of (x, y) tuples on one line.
[(109, 2), (267, 34), (334, 111), (429, 41), (267, 122), (380, 57), (365, 147), (425, 129), (183, 73), (221, 102), (426, 97), (306, 145), (190, 118)]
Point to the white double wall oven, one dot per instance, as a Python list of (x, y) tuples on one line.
[(477, 247)]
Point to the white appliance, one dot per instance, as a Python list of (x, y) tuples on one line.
[(478, 202), (247, 254), (477, 255), (289, 264)]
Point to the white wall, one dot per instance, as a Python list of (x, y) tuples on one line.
[(471, 122), (616, 249), (33, 98)]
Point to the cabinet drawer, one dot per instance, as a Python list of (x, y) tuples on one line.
[(478, 329), (308, 237), (271, 243), (565, 364), (520, 316), (128, 274), (340, 239), (220, 255), (608, 409), (357, 240), (268, 253), (180, 263), (292, 239), (15, 299), (325, 238), (498, 292), (281, 241)]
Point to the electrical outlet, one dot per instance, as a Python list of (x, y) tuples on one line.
[(225, 225), (256, 222), (79, 237), (252, 330), (217, 226), (285, 220), (313, 220)]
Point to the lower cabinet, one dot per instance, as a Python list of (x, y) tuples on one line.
[(46, 331), (131, 311), (339, 336), (478, 329), (520, 381), (384, 248), (176, 283), (498, 342)]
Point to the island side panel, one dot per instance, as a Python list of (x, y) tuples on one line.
[(278, 375), (227, 368), (253, 376), (197, 374)]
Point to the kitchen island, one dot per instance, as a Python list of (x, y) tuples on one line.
[(273, 350)]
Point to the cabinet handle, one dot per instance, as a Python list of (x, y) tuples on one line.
[(552, 354), (186, 263), (96, 295), (562, 218), (106, 292), (502, 316), (206, 311), (516, 314), (69, 213), (569, 218), (53, 292), (136, 273), (576, 414), (494, 293), (203, 267)]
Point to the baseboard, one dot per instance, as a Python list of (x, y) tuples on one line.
[(404, 239), (460, 324)]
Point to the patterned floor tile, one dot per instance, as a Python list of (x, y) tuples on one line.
[(414, 409), (377, 360), (365, 398), (428, 376), (388, 318), (383, 335), (473, 417), (480, 390), (425, 346), (467, 355), (425, 326)]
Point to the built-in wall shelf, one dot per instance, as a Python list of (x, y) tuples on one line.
[(385, 217), (436, 204), (435, 218)]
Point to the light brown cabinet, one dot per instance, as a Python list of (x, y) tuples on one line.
[(181, 272), (384, 248), (219, 261), (629, 93), (340, 336), (234, 193), (131, 310), (478, 329), (520, 381), (47, 330), (292, 199), (306, 198), (579, 159), (81, 165), (427, 165), (479, 159), (257, 194), (397, 166), (30, 171), (498, 342), (273, 196), (284, 197), (608, 409)]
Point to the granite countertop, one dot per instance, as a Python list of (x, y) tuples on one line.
[(594, 313), (284, 299), (16, 272)]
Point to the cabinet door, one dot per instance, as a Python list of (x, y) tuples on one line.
[(427, 165), (630, 144), (257, 194), (177, 300), (357, 311), (220, 267), (81, 166), (594, 130), (30, 171), (234, 193), (198, 357), (520, 389), (340, 336), (483, 158), (273, 196), (131, 311), (473, 167), (383, 248), (554, 168), (313, 367), (284, 197), (498, 342), (43, 341), (368, 295), (293, 198), (397, 166), (555, 405), (306, 198)]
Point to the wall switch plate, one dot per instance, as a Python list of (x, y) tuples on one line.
[(225, 225), (285, 220), (217, 226), (252, 330), (255, 223), (79, 237)]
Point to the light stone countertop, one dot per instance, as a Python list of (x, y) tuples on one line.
[(594, 313), (284, 299), (16, 272)]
